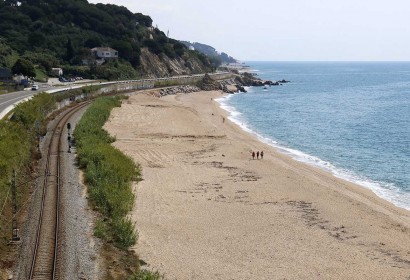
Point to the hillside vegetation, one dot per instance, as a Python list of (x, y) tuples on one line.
[(59, 33), (213, 55)]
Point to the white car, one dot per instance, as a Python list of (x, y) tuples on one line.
[(34, 87)]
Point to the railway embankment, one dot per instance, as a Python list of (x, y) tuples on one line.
[(19, 152)]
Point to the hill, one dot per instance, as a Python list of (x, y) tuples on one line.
[(216, 57), (61, 33)]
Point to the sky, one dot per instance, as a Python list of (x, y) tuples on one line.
[(287, 30)]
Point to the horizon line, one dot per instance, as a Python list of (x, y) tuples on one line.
[(361, 61)]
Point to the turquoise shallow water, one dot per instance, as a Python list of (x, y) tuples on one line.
[(350, 118)]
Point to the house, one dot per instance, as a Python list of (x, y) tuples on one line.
[(57, 71), (5, 74), (105, 53)]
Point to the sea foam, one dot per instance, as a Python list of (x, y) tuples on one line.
[(384, 190)]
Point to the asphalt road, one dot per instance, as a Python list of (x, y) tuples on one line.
[(9, 99)]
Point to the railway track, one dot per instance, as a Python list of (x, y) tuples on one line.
[(45, 261)]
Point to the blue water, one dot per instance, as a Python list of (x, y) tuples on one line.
[(350, 118)]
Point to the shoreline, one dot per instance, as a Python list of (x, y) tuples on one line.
[(300, 156), (286, 153), (206, 210)]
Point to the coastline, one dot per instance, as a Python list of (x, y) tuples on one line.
[(391, 194), (206, 210)]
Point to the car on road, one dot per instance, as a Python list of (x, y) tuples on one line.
[(35, 87)]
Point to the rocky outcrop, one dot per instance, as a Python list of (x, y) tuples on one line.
[(230, 86), (158, 66), (179, 89), (207, 83), (227, 86), (248, 79)]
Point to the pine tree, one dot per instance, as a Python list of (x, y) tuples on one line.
[(70, 50)]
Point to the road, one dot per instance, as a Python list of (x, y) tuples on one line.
[(8, 100)]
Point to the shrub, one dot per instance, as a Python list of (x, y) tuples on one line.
[(146, 275), (100, 229), (124, 233), (32, 114), (169, 51), (108, 173), (18, 145), (153, 46)]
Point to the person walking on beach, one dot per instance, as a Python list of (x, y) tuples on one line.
[(261, 154), (257, 155), (253, 155)]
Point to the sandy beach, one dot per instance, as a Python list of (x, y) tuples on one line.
[(206, 210)]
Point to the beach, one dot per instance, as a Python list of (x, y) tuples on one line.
[(206, 210)]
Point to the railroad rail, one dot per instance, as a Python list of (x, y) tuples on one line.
[(45, 263)]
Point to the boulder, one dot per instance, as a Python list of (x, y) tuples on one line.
[(178, 89)]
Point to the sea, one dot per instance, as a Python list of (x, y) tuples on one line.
[(351, 119)]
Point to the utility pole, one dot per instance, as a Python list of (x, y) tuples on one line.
[(69, 137), (15, 231)]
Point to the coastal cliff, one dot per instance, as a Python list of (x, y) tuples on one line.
[(153, 65)]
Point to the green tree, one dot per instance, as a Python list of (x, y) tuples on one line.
[(25, 67), (93, 42), (41, 58), (8, 56), (143, 19), (36, 39), (69, 50), (153, 46), (169, 51), (179, 48), (124, 49)]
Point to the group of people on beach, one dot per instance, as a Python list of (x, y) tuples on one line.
[(257, 154)]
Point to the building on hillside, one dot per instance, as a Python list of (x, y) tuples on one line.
[(21, 80), (57, 71), (191, 48), (5, 74), (105, 53)]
